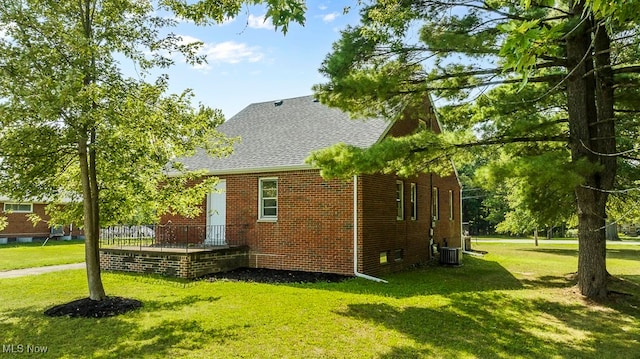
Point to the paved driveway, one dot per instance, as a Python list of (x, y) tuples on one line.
[(39, 270), (549, 241)]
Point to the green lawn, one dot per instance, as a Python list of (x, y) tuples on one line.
[(26, 255), (513, 303)]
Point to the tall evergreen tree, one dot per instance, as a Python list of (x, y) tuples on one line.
[(541, 82)]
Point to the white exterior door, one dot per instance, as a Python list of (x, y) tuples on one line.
[(217, 214)]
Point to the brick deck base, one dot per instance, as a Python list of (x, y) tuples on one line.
[(174, 263)]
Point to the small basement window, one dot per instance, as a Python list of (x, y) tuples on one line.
[(18, 207), (398, 255), (384, 257)]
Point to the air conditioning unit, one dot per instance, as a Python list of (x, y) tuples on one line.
[(451, 256)]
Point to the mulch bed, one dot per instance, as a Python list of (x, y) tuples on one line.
[(273, 276), (88, 308)]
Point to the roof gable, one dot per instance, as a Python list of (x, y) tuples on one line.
[(280, 135)]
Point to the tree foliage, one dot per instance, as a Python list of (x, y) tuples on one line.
[(542, 88), (97, 143)]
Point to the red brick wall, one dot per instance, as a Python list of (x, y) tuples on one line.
[(20, 226), (314, 229), (384, 232), (447, 231)]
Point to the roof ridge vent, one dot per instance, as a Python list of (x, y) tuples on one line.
[(278, 103)]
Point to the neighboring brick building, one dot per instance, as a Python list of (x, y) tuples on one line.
[(19, 225), (293, 219)]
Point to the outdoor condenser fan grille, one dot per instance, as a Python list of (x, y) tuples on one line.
[(450, 256)]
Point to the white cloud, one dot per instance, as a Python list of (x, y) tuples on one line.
[(322, 7), (258, 22), (330, 17), (229, 52)]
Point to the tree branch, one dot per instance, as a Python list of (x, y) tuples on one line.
[(499, 141), (627, 69)]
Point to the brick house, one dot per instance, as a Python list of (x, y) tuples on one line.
[(19, 225), (291, 218)]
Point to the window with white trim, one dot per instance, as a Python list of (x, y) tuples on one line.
[(400, 200), (435, 210), (268, 198), (450, 205), (18, 207), (414, 201)]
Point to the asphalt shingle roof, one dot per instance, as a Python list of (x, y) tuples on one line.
[(282, 137)]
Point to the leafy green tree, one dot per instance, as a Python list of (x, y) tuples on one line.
[(496, 197), (539, 85), (76, 131), (483, 206)]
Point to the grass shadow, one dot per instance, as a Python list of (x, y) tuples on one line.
[(476, 274), (50, 243), (114, 337), (555, 251), (612, 252), (494, 325), (549, 281), (62, 336), (623, 253), (625, 294), (155, 279), (162, 339), (152, 305)]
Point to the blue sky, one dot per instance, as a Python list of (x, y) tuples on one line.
[(248, 61)]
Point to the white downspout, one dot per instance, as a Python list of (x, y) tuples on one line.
[(355, 235), (463, 244)]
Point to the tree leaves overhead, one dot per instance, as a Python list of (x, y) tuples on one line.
[(58, 84), (204, 12)]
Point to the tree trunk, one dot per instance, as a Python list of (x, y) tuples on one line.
[(88, 173), (612, 232), (91, 225), (591, 136)]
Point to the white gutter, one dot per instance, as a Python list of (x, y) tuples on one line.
[(248, 170), (355, 236)]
